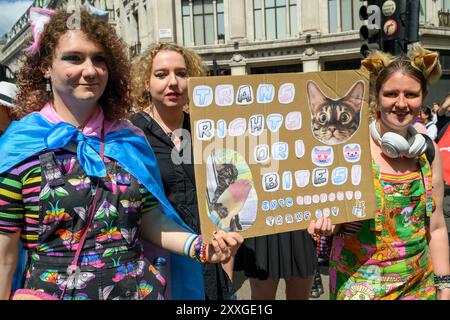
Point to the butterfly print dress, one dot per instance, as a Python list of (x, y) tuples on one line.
[(51, 221)]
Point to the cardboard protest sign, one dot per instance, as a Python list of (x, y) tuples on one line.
[(272, 152)]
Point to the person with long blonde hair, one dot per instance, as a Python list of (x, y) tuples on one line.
[(160, 95)]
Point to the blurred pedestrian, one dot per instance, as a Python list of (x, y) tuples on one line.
[(426, 118), (7, 95)]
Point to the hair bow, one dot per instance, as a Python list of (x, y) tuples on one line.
[(38, 18), (95, 11)]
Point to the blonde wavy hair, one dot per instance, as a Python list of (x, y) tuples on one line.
[(419, 63), (142, 68)]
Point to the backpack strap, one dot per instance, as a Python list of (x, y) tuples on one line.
[(430, 152)]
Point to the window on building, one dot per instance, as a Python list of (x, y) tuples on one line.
[(203, 22), (348, 17), (445, 5), (275, 19), (134, 34), (332, 16), (293, 17), (277, 69), (342, 65), (422, 10)]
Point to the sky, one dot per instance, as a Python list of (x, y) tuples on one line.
[(10, 12)]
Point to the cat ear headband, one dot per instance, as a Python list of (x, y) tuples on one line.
[(427, 61), (377, 61), (38, 18), (422, 59)]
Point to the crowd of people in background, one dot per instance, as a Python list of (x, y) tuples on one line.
[(436, 118)]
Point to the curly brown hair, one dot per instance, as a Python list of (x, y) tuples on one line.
[(142, 68), (115, 100)]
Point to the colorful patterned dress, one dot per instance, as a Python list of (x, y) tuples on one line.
[(51, 219), (388, 257)]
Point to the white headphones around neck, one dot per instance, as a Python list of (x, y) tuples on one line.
[(394, 145)]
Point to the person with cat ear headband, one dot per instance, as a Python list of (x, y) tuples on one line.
[(405, 251)]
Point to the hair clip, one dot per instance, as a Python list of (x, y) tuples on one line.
[(95, 11), (38, 18)]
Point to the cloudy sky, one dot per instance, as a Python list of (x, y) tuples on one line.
[(10, 12)]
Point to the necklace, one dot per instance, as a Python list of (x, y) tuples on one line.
[(170, 134)]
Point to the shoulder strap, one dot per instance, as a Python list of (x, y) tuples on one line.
[(430, 152)]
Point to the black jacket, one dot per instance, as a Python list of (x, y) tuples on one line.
[(179, 186)]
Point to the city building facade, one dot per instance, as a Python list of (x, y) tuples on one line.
[(252, 36)]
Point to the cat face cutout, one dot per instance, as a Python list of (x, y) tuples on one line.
[(335, 121)]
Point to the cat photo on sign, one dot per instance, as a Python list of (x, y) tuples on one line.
[(231, 197), (335, 121)]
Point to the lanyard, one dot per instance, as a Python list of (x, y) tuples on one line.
[(73, 270)]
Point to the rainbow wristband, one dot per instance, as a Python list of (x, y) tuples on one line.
[(442, 282), (198, 250), (188, 244)]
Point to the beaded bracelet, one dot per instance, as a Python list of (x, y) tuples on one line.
[(188, 244), (198, 250), (442, 282)]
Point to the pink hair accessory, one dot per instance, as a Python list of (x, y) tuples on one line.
[(38, 18)]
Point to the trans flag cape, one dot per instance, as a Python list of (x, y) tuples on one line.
[(126, 144)]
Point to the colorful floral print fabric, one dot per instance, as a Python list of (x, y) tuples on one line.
[(387, 257)]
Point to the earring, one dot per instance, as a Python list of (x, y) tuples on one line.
[(48, 86), (378, 114)]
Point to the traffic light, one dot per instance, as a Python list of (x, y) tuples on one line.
[(391, 25), (394, 23), (400, 21), (371, 31)]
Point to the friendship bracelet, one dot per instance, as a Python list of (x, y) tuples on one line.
[(441, 279), (202, 257), (188, 243), (443, 286), (442, 282), (198, 251)]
